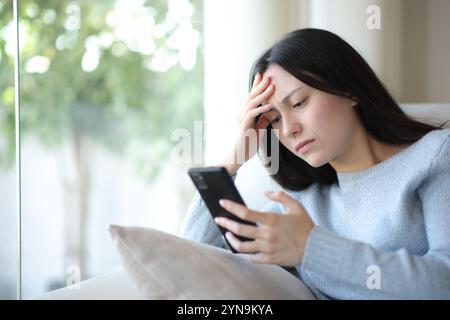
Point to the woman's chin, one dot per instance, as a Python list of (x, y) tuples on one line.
[(315, 162)]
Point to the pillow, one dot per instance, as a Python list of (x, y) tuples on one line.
[(164, 266)]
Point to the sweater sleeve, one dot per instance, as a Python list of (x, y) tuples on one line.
[(356, 265)]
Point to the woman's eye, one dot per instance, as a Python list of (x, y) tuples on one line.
[(298, 104)]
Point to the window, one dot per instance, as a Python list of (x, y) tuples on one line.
[(103, 86), (8, 236)]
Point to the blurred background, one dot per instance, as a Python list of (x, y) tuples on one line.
[(106, 87), (103, 86)]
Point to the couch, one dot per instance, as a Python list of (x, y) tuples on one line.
[(117, 285)]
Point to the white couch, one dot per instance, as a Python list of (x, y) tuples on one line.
[(117, 284)]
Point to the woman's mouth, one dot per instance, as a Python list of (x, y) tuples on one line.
[(303, 146)]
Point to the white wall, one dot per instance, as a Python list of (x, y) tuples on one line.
[(236, 32), (380, 47)]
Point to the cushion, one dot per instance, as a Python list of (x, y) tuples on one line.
[(165, 266)]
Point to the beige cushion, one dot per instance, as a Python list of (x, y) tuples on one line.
[(164, 266)]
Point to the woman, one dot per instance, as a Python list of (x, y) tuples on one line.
[(366, 212)]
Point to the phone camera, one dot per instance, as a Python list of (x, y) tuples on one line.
[(200, 182)]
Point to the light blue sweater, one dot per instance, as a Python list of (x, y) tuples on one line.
[(381, 233)]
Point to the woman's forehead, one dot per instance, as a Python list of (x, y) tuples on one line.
[(284, 82), (280, 76), (284, 94)]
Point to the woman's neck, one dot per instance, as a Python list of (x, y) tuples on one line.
[(364, 152)]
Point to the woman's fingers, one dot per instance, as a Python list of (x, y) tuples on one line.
[(252, 114), (260, 87), (254, 246), (286, 200), (261, 90), (257, 80), (256, 112), (262, 121), (256, 101), (244, 213), (239, 229)]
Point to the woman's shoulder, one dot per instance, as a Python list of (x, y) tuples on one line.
[(430, 153), (423, 152), (436, 177), (441, 152), (435, 143), (438, 135)]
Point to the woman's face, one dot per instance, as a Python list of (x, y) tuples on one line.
[(303, 113)]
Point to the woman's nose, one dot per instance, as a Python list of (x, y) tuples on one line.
[(291, 127)]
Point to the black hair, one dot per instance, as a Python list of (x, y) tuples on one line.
[(324, 61)]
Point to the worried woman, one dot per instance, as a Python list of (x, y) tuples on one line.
[(366, 208)]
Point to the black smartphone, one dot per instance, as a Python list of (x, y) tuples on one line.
[(213, 184)]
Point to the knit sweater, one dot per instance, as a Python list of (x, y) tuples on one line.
[(380, 233)]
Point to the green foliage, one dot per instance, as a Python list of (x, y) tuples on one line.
[(121, 103)]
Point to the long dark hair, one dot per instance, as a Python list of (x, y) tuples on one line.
[(324, 61)]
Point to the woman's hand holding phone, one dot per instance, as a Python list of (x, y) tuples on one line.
[(261, 90), (278, 238)]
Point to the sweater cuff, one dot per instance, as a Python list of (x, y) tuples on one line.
[(324, 251)]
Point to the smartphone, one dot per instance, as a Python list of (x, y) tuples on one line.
[(213, 184)]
